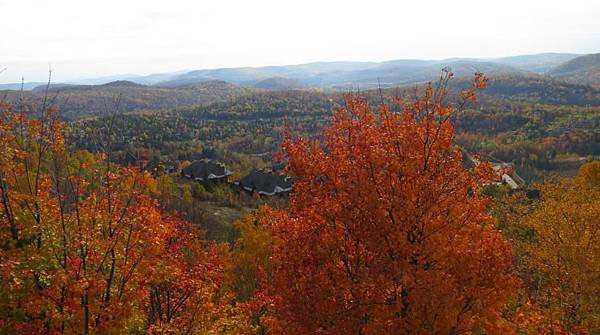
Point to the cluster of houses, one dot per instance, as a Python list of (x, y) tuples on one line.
[(270, 183), (261, 182)]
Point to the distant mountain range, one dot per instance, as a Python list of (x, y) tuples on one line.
[(349, 75), (344, 75), (538, 63), (17, 86), (76, 101), (575, 82)]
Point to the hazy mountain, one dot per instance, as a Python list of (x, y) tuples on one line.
[(104, 79), (155, 78), (17, 86), (118, 84), (53, 87), (394, 72), (584, 70), (185, 79), (140, 79), (343, 74), (391, 74), (279, 84), (507, 85), (538, 63), (346, 75)]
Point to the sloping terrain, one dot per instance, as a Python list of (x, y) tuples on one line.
[(538, 63), (584, 70), (346, 75), (536, 89), (223, 98), (279, 84), (124, 96), (343, 75)]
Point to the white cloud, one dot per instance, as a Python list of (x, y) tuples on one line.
[(91, 38)]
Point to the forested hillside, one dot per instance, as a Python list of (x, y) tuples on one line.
[(538, 123), (386, 230), (279, 84), (76, 101), (584, 69), (538, 63), (542, 90), (339, 167)]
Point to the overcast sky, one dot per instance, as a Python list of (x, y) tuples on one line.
[(82, 39)]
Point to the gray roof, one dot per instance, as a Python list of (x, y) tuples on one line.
[(205, 169), (266, 183)]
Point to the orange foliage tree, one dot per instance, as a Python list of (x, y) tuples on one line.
[(560, 253), (187, 298), (83, 243), (387, 232)]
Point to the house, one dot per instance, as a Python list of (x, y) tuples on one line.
[(266, 183), (206, 170), (505, 171)]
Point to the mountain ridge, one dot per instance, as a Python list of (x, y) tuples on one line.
[(583, 69), (343, 74)]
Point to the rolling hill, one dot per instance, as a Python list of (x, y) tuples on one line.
[(538, 63), (344, 75), (542, 89), (395, 73), (17, 86), (278, 84), (584, 70), (77, 101), (118, 85), (124, 96), (564, 85), (529, 89)]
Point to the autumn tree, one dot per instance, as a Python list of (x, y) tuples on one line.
[(84, 244), (187, 298), (558, 239), (589, 174), (250, 255), (387, 231)]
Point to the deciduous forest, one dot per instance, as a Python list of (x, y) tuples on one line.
[(399, 221)]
